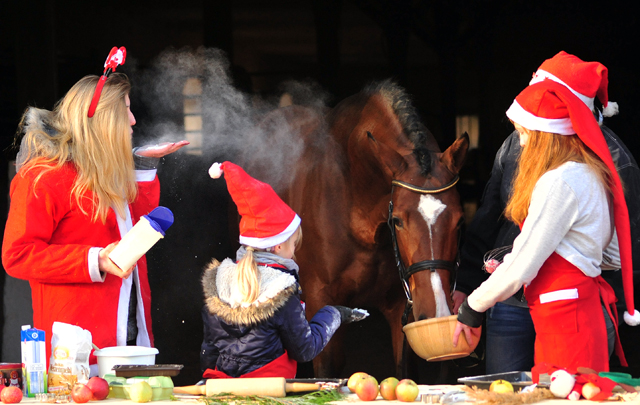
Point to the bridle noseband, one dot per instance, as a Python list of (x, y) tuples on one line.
[(431, 265)]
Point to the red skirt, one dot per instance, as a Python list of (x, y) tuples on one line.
[(566, 309), (283, 366)]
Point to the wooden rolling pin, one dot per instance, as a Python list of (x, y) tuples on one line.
[(268, 386)]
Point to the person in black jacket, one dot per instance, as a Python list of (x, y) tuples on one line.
[(254, 322), (510, 334)]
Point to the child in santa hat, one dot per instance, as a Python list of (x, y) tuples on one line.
[(254, 322), (561, 201)]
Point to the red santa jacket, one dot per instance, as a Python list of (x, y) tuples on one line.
[(47, 241)]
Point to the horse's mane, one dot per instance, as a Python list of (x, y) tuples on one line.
[(408, 117)]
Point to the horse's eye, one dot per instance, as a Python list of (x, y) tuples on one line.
[(397, 222)]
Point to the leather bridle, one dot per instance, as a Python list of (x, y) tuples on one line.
[(432, 265)]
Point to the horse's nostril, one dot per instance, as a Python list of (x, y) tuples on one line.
[(422, 317)]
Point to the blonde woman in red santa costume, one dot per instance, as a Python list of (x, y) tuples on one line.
[(569, 203), (254, 323), (76, 192)]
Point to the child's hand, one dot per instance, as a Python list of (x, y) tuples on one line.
[(348, 315)]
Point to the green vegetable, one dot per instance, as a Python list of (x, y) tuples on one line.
[(313, 398)]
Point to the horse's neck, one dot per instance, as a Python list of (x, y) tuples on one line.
[(370, 194)]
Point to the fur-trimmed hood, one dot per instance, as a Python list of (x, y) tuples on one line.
[(37, 132), (38, 119), (222, 299)]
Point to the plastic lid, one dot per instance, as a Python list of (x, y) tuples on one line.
[(124, 351), (162, 216), (5, 366)]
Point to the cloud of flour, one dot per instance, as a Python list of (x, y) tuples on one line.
[(230, 116)]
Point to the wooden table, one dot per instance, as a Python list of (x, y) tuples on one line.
[(349, 400)]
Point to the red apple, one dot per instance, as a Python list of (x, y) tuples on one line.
[(351, 383), (11, 395), (81, 393), (367, 388), (407, 390), (388, 388), (99, 387)]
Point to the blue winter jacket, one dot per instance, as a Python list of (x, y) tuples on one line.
[(241, 338)]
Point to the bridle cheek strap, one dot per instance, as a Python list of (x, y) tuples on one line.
[(431, 265)]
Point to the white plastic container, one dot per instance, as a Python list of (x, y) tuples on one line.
[(112, 356), (135, 243)]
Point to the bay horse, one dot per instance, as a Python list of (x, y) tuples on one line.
[(365, 165)]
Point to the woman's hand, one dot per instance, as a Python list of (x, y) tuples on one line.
[(107, 266), (163, 149), (469, 332), (458, 298)]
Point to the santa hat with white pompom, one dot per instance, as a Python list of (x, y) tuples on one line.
[(266, 220), (550, 107), (587, 80)]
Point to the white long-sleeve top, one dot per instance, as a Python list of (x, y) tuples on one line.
[(569, 214)]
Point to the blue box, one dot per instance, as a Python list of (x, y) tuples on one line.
[(34, 361)]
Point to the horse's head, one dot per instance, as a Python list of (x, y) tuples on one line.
[(425, 214)]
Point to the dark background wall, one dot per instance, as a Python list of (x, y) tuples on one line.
[(454, 57)]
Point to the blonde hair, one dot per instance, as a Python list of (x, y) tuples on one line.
[(546, 151), (247, 275), (99, 147)]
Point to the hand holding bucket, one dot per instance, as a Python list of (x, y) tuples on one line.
[(135, 243)]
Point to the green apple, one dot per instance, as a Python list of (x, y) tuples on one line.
[(407, 390), (141, 392), (501, 386), (388, 388)]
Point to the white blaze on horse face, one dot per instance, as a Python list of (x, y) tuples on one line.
[(442, 307), (430, 208)]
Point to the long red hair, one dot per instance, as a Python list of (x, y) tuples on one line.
[(546, 151)]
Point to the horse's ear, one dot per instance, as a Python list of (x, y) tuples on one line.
[(392, 161), (455, 155)]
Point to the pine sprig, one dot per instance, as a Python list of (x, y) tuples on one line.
[(314, 398)]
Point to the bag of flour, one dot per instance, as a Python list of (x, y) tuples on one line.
[(70, 349)]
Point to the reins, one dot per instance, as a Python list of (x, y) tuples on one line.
[(431, 265)]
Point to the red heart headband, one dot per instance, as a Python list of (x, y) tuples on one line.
[(116, 57)]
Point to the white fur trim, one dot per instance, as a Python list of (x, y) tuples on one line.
[(632, 320), (611, 109), (523, 117), (146, 175), (124, 225), (263, 243), (94, 268), (574, 396), (215, 171), (272, 282), (540, 75)]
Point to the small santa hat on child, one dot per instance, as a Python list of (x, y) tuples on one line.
[(585, 79), (550, 107), (266, 220)]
